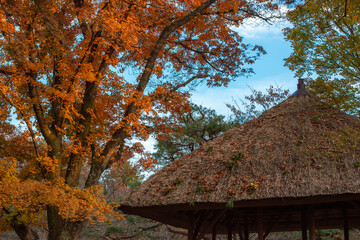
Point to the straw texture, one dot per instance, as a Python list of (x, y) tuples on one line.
[(299, 148)]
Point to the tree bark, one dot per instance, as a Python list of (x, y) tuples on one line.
[(25, 232), (60, 229)]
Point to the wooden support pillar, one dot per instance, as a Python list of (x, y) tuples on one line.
[(212, 225), (213, 233), (198, 225), (191, 228), (303, 225), (241, 236), (260, 227), (229, 232), (230, 223), (246, 230), (346, 224), (311, 223)]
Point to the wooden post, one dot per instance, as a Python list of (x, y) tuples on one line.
[(311, 224), (241, 236), (303, 225), (198, 225), (229, 226), (214, 233), (229, 232), (260, 228), (346, 224), (191, 227), (212, 225), (246, 230)]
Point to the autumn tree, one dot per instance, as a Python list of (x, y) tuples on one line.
[(63, 76), (325, 37)]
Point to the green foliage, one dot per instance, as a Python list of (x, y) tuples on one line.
[(178, 181), (89, 234), (200, 188), (325, 38), (234, 162), (195, 128), (315, 119), (237, 157), (120, 176), (133, 219), (209, 149), (230, 204), (167, 190), (114, 229), (233, 165), (135, 183)]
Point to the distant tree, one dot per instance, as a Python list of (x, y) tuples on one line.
[(325, 37), (254, 104), (118, 179), (194, 128)]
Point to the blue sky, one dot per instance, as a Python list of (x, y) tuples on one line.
[(269, 69)]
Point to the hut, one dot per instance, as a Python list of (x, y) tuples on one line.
[(294, 168)]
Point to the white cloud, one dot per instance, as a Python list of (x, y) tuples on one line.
[(256, 28)]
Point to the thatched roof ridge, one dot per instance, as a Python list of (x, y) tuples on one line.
[(299, 148)]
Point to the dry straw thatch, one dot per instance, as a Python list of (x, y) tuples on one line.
[(299, 148)]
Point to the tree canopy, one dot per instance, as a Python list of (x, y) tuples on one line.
[(325, 37), (63, 76)]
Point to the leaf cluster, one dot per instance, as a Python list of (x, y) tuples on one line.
[(325, 37)]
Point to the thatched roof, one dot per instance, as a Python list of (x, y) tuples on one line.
[(297, 149)]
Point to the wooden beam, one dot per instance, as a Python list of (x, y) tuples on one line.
[(303, 225), (311, 223), (346, 224), (260, 227)]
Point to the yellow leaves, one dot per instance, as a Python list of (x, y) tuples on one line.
[(48, 163), (76, 204), (8, 169), (30, 198), (27, 200)]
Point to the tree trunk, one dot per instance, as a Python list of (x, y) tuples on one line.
[(60, 229), (24, 231)]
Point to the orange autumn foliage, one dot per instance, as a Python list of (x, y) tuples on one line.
[(86, 79)]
